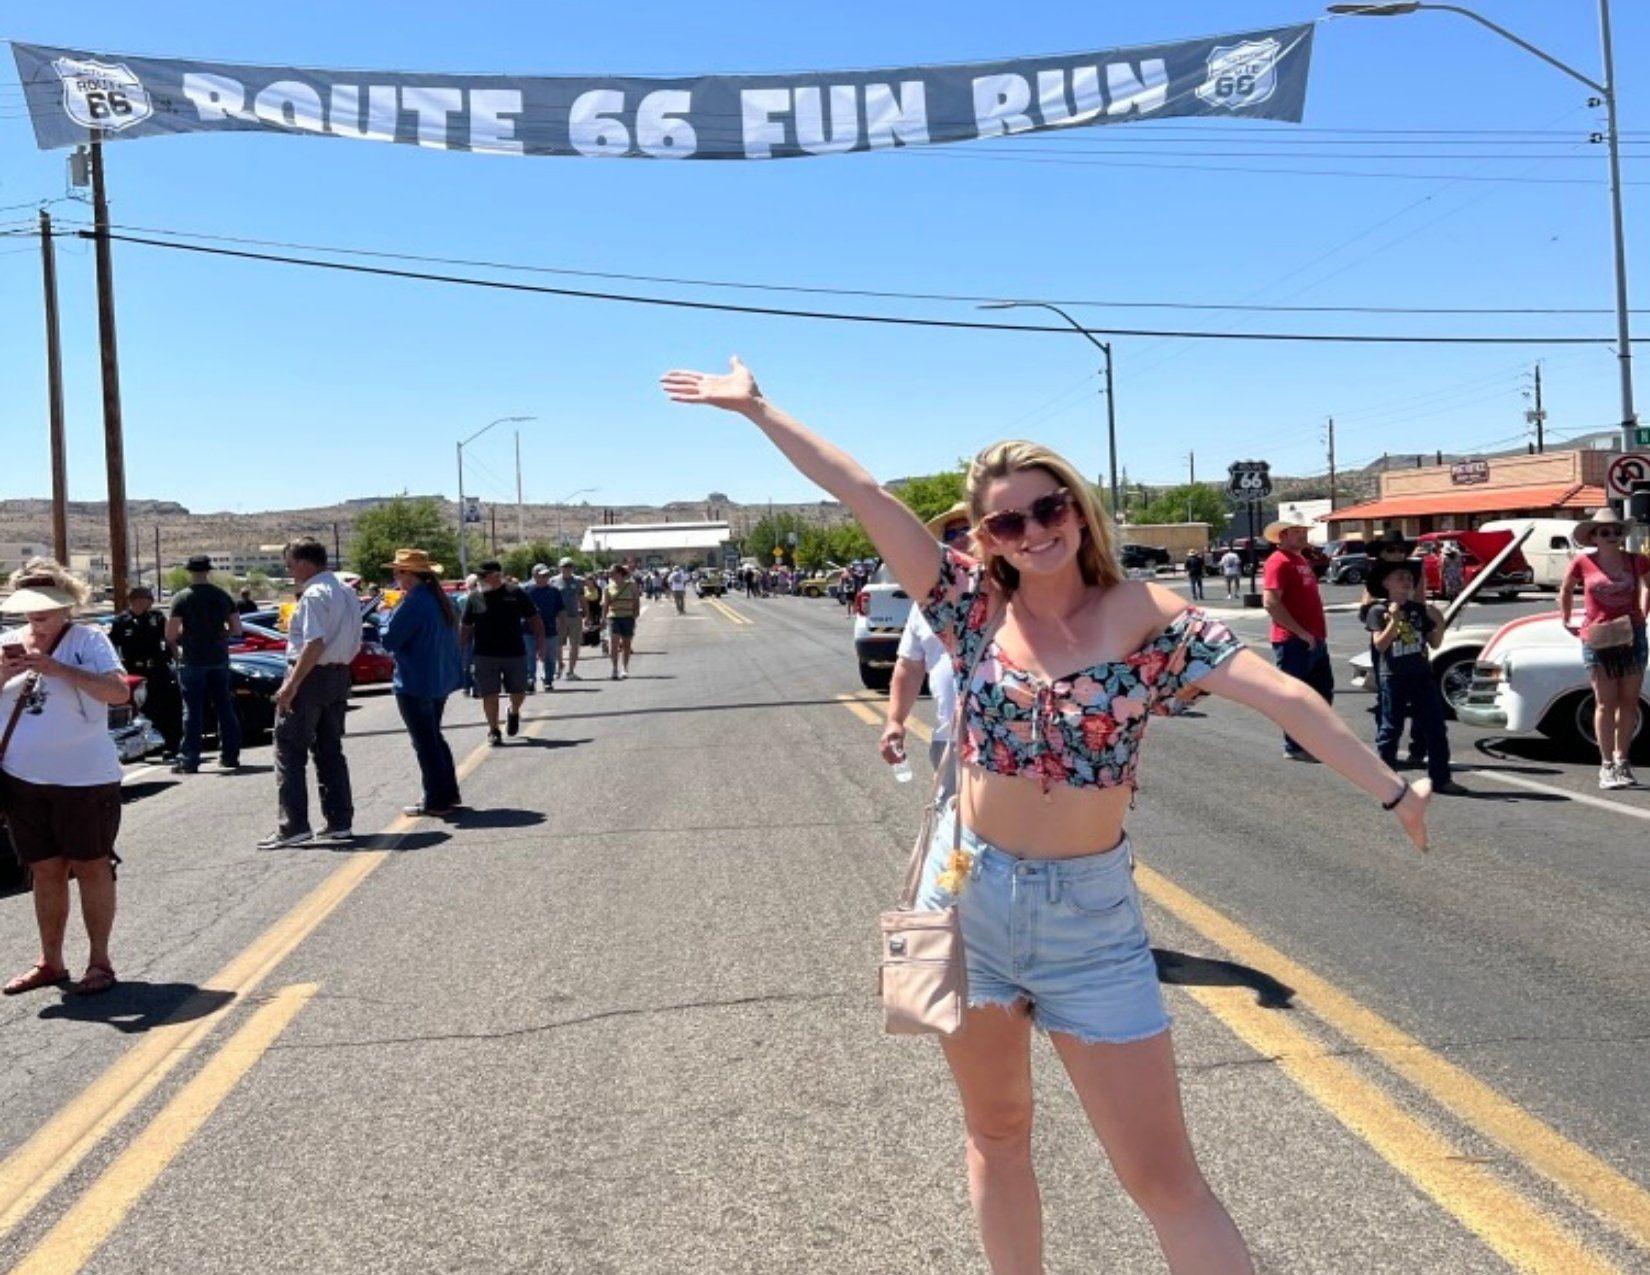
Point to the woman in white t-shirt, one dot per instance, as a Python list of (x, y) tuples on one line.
[(59, 774)]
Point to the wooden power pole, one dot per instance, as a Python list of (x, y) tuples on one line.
[(114, 445), (54, 394), (1332, 462)]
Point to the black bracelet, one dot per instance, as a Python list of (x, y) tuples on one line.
[(1403, 792)]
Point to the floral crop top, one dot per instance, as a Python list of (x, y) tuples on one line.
[(1084, 729)]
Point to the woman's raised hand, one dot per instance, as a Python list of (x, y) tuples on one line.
[(733, 390)]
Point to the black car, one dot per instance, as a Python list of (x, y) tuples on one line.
[(1142, 557)]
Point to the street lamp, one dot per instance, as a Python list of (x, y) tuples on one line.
[(1111, 407), (463, 528), (582, 491), (1607, 96)]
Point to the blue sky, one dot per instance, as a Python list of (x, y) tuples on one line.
[(249, 386)]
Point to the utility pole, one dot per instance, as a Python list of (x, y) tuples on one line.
[(1332, 475), (521, 536), (157, 562), (114, 446), (337, 549), (54, 394), (1537, 417), (1191, 468), (494, 512)]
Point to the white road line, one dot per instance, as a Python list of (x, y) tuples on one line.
[(1586, 799)]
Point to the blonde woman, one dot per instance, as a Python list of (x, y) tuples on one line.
[(59, 774), (1051, 731)]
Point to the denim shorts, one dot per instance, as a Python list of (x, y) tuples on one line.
[(1631, 664), (1065, 935)]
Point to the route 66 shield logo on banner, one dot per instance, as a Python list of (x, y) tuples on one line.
[(102, 95), (1241, 75)]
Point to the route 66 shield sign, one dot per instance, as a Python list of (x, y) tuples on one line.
[(101, 94), (1241, 75)]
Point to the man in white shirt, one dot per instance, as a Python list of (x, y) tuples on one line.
[(322, 638), (920, 652), (678, 589), (1231, 571)]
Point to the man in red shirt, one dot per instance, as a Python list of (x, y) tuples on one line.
[(1300, 634)]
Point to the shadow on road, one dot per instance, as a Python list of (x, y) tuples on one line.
[(400, 843), (1183, 970), (148, 788), (449, 726), (498, 817), (137, 1006), (1521, 748), (538, 742)]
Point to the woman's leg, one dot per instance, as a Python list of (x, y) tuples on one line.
[(51, 908), (1604, 714), (990, 1059), (97, 905), (1132, 1097), (1627, 711)]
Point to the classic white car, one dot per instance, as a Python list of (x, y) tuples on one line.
[(1530, 678)]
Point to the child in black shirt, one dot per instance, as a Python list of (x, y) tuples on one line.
[(1403, 630)]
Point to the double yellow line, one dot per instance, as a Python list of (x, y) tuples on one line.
[(728, 612), (31, 1172), (1520, 1231)]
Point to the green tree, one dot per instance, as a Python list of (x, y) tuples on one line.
[(1189, 502), (771, 531), (260, 584), (400, 523), (521, 560), (930, 495)]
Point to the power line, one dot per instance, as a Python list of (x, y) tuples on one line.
[(868, 293), (1350, 338)]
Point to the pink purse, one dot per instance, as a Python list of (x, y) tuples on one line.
[(923, 980)]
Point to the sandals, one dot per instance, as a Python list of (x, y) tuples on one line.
[(37, 976), (98, 978)]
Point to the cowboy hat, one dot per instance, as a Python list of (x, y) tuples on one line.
[(1391, 538), (414, 560), (34, 595), (1601, 518), (1379, 571), (1274, 530), (938, 522)]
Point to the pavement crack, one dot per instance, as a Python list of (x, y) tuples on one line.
[(638, 1011)]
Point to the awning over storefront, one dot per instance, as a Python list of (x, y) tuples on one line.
[(655, 537), (1578, 496)]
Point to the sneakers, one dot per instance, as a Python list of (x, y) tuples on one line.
[(494, 739), (227, 766), (1625, 774), (1450, 789), (335, 836), (280, 840), (615, 676), (573, 676), (512, 723), (1616, 774), (183, 768), (624, 675)]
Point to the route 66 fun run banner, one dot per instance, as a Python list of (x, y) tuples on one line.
[(1254, 74)]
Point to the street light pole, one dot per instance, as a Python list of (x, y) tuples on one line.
[(1607, 97), (1111, 406), (463, 530)]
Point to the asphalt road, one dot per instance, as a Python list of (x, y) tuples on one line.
[(619, 1018)]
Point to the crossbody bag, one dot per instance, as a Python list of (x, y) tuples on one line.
[(923, 979), (1611, 635)]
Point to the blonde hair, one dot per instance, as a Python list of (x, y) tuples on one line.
[(48, 573), (1096, 556)]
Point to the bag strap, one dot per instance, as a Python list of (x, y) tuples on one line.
[(948, 767), (26, 690)]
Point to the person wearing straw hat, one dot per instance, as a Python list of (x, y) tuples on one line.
[(422, 634), (1615, 589), (59, 773), (922, 653), (1300, 631)]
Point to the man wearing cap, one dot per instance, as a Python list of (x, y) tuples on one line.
[(322, 638), (492, 624), (1300, 631), (921, 652), (548, 602), (571, 588), (202, 620), (139, 634)]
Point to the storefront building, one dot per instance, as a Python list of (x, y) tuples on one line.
[(1467, 494), (660, 544)]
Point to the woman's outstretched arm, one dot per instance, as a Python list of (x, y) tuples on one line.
[(900, 538), (1304, 716)]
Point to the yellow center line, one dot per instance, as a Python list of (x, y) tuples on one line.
[(1611, 1195), (80, 1232), (1520, 1232), (728, 611), (34, 1169)]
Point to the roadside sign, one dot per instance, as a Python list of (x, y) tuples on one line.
[(1249, 480), (1641, 436), (1624, 471)]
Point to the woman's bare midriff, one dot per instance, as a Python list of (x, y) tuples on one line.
[(1014, 814)]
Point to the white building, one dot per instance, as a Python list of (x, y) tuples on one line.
[(656, 544), (14, 553)]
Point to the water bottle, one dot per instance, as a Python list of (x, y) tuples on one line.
[(902, 769)]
